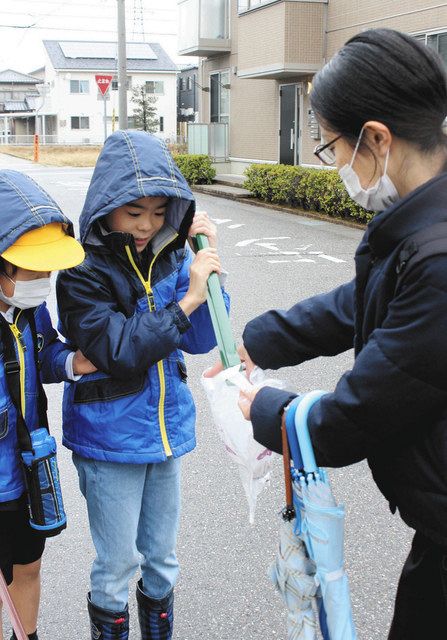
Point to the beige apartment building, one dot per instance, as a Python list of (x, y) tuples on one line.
[(258, 58)]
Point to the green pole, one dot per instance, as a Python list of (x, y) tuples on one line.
[(219, 316)]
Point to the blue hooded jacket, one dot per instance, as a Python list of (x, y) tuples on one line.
[(125, 317), (25, 206)]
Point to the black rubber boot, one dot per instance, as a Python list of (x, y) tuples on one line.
[(108, 625), (31, 636), (156, 617)]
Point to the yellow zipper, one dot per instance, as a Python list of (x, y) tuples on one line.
[(161, 374), (20, 350)]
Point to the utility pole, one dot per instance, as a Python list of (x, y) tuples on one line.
[(122, 65)]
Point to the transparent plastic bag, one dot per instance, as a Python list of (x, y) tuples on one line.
[(254, 460)]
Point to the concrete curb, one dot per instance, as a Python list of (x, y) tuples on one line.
[(277, 207)]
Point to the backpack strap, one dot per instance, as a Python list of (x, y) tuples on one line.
[(12, 374), (424, 244)]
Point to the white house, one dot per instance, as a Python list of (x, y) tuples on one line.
[(73, 108)]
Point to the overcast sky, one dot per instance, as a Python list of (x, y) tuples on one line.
[(25, 23)]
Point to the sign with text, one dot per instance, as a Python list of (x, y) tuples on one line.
[(103, 83)]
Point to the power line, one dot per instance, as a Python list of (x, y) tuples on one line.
[(89, 4), (74, 15), (80, 30)]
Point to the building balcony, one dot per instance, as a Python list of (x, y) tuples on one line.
[(280, 40), (203, 27)]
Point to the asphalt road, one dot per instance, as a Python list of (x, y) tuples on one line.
[(274, 260)]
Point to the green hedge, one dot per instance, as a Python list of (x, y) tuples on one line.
[(196, 169), (315, 189)]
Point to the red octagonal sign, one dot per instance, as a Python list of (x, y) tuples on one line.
[(103, 83)]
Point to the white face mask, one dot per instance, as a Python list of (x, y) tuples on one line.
[(28, 293), (376, 198)]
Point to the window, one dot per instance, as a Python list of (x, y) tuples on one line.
[(189, 83), (162, 123), (220, 96), (155, 87), (246, 5), (437, 41), (182, 84), (115, 83), (80, 122), (79, 86)]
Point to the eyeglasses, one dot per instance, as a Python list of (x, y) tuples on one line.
[(325, 153)]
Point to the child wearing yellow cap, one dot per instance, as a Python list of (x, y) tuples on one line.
[(35, 239)]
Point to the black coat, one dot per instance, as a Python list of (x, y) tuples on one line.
[(391, 408)]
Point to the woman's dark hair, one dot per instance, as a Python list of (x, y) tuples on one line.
[(384, 75)]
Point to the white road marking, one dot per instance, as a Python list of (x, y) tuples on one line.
[(267, 245), (235, 226), (323, 255), (245, 243), (221, 220), (277, 261), (305, 260)]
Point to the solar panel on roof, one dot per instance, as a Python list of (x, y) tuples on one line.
[(134, 50)]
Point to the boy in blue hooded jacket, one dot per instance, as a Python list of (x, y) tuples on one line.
[(134, 305), (35, 239)]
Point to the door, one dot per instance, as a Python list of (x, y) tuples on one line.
[(289, 124)]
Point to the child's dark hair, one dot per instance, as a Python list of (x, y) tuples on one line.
[(3, 267), (384, 75)]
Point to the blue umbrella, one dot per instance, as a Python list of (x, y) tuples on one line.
[(319, 523)]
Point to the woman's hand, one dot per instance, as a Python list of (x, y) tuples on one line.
[(204, 264), (245, 359), (202, 224), (245, 401), (81, 365), (249, 364)]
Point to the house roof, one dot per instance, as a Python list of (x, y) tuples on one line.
[(8, 75), (82, 55), (16, 105)]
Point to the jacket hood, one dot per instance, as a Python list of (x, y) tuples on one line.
[(24, 206), (131, 165)]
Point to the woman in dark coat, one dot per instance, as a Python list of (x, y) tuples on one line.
[(381, 104)]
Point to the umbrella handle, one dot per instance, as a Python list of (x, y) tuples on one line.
[(11, 610), (289, 511), (302, 432)]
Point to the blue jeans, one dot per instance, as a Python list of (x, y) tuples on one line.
[(133, 511)]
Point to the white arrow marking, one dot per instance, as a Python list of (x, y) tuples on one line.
[(221, 220)]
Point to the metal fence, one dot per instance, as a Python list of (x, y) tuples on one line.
[(25, 140), (210, 139), (28, 140)]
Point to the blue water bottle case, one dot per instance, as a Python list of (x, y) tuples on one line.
[(43, 485)]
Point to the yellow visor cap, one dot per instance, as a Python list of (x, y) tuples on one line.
[(47, 248)]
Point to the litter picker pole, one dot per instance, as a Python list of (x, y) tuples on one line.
[(11, 610), (219, 316)]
